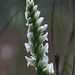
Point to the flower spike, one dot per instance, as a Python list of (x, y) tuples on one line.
[(36, 38)]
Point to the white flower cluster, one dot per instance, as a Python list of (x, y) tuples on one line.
[(35, 35)]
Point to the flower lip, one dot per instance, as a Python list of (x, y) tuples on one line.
[(27, 46), (51, 68)]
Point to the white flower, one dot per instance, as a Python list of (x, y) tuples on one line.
[(26, 24), (26, 14), (30, 27), (39, 21), (27, 1), (30, 35), (37, 14), (35, 8), (51, 68), (44, 49), (43, 28), (36, 37), (27, 47), (32, 2), (31, 61), (31, 24), (44, 37), (44, 62)]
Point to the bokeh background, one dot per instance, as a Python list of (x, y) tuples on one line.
[(13, 35)]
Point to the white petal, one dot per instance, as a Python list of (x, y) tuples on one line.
[(32, 1), (27, 7), (26, 15), (30, 34), (44, 49), (47, 46), (44, 37), (30, 27), (44, 62), (26, 24), (45, 58), (28, 64), (28, 20), (27, 47), (43, 28), (31, 61), (39, 21), (37, 14), (31, 24), (51, 68), (27, 1), (35, 8)]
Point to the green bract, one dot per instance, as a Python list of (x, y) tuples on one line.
[(35, 35)]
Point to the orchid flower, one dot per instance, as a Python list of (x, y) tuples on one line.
[(36, 37)]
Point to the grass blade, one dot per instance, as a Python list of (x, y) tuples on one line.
[(73, 65)]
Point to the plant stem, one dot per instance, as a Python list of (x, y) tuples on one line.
[(52, 28), (56, 56), (73, 65), (38, 71)]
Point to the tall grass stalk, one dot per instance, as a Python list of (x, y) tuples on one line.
[(73, 65), (62, 38), (60, 28), (70, 40), (17, 28)]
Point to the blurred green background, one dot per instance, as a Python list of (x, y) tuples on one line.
[(13, 35)]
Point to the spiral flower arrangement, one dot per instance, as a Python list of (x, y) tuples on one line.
[(36, 37)]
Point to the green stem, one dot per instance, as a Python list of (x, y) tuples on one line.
[(60, 28), (73, 65), (38, 71)]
